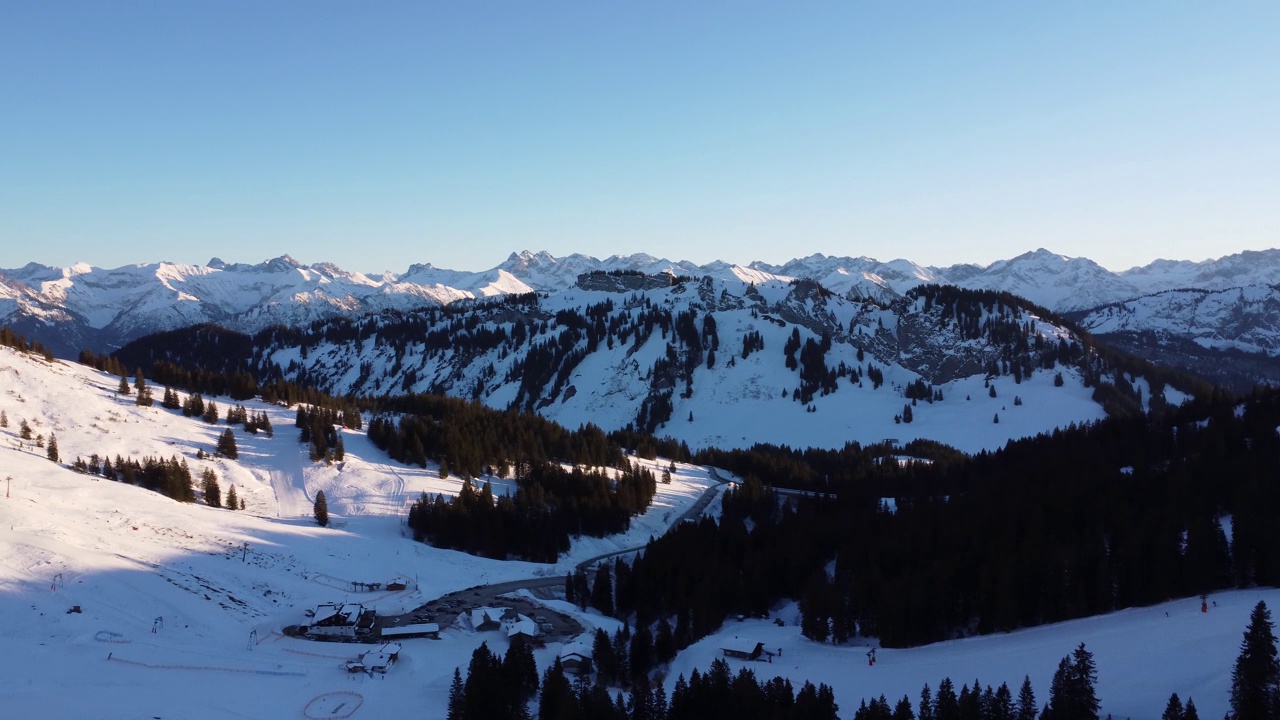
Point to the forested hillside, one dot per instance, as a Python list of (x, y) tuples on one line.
[(713, 363), (1127, 512)]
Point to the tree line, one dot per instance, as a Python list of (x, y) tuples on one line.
[(550, 505), (10, 338)]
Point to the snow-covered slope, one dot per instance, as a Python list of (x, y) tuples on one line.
[(181, 605), (714, 362), (1231, 337), (72, 308), (1241, 318)]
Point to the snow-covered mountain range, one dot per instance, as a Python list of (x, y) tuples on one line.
[(1230, 337), (715, 363), (78, 307)]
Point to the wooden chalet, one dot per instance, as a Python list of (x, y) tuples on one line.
[(576, 659), (743, 649)]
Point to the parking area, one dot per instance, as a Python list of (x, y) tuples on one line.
[(555, 626)]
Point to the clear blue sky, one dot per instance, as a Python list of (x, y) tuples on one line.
[(375, 135)]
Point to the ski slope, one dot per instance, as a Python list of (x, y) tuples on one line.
[(182, 604)]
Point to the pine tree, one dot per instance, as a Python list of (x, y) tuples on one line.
[(321, 509), (622, 653), (1255, 680), (52, 452), (483, 695), (24, 431), (945, 704), (1026, 708), (227, 445), (1173, 711), (209, 486), (581, 589), (210, 414), (124, 388), (455, 697), (143, 397), (4, 419), (602, 591), (664, 645), (232, 502), (1071, 694), (999, 705), (925, 708), (557, 701), (641, 652), (1085, 675), (520, 670), (170, 401), (1189, 711), (603, 657)]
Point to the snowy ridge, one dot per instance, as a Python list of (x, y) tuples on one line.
[(72, 308), (707, 362), (1242, 318)]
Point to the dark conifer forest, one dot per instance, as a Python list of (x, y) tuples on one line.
[(1082, 521)]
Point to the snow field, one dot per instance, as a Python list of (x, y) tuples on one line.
[(129, 557)]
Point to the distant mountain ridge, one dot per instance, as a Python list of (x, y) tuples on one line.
[(81, 306)]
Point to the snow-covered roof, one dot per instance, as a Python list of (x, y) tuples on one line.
[(523, 626), (374, 660), (324, 611), (739, 645), (479, 616), (351, 612), (576, 648)]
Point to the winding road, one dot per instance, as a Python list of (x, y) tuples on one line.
[(480, 595)]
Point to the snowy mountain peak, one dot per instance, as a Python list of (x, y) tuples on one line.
[(526, 259), (418, 269), (284, 263), (1045, 254), (117, 305), (78, 269)]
